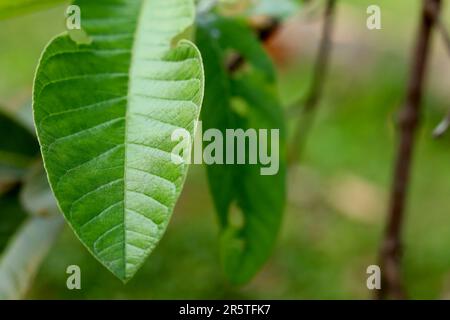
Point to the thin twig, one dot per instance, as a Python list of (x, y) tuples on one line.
[(444, 33), (440, 25), (390, 255), (444, 125), (307, 113)]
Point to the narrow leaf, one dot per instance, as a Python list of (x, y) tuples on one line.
[(105, 113), (24, 254)]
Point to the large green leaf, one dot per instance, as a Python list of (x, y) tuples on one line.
[(105, 113), (245, 244), (18, 148), (9, 8), (24, 254)]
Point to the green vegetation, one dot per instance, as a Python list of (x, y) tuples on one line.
[(332, 223)]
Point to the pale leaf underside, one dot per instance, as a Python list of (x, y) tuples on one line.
[(105, 113)]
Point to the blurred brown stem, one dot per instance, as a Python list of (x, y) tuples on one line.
[(308, 111), (391, 250)]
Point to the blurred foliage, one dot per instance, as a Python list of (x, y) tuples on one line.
[(12, 216), (237, 190), (36, 196), (324, 249), (23, 256), (10, 8), (16, 154)]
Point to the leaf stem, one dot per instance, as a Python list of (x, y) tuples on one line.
[(320, 71), (440, 25)]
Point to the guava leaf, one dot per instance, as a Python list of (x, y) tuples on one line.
[(246, 243), (105, 113)]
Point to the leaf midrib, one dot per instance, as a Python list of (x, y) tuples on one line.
[(130, 81)]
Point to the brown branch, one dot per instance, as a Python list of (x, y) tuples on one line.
[(391, 250), (307, 113)]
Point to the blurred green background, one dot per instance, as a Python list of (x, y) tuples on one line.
[(337, 194)]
